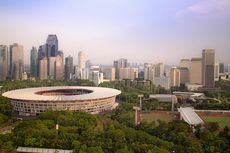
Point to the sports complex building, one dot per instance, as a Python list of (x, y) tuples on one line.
[(32, 101)]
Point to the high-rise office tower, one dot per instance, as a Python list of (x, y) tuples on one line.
[(3, 62), (81, 64), (184, 75), (52, 45), (174, 77), (221, 68), (208, 67), (68, 68), (42, 51), (59, 68), (196, 71), (43, 71), (121, 63), (16, 61), (159, 70), (217, 74), (33, 62), (51, 67), (185, 63)]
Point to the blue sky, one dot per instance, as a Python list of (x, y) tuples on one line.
[(141, 31)]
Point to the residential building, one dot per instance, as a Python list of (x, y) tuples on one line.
[(128, 73), (121, 63)]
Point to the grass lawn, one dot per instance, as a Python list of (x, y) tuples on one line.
[(149, 118), (222, 121)]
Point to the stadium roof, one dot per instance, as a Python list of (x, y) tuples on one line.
[(31, 93)]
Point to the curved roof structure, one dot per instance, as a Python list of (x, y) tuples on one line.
[(34, 94)]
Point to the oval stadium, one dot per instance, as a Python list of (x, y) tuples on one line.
[(32, 101)]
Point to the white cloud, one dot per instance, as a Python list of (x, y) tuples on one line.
[(208, 7)]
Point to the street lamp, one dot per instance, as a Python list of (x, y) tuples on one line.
[(136, 118), (140, 96)]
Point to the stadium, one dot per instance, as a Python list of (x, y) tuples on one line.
[(33, 101)]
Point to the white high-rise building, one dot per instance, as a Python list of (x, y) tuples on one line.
[(81, 64), (95, 75)]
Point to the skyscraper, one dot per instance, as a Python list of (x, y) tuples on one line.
[(16, 61), (196, 71), (59, 68), (3, 62), (208, 67), (51, 67), (52, 45), (42, 51), (81, 64), (174, 77), (68, 68), (33, 62), (184, 75), (43, 72)]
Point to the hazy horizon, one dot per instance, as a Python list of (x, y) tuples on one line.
[(141, 31)]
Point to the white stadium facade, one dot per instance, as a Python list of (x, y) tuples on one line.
[(33, 101)]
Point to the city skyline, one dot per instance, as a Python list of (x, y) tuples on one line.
[(146, 31)]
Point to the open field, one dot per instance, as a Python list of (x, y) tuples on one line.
[(221, 120), (155, 116)]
